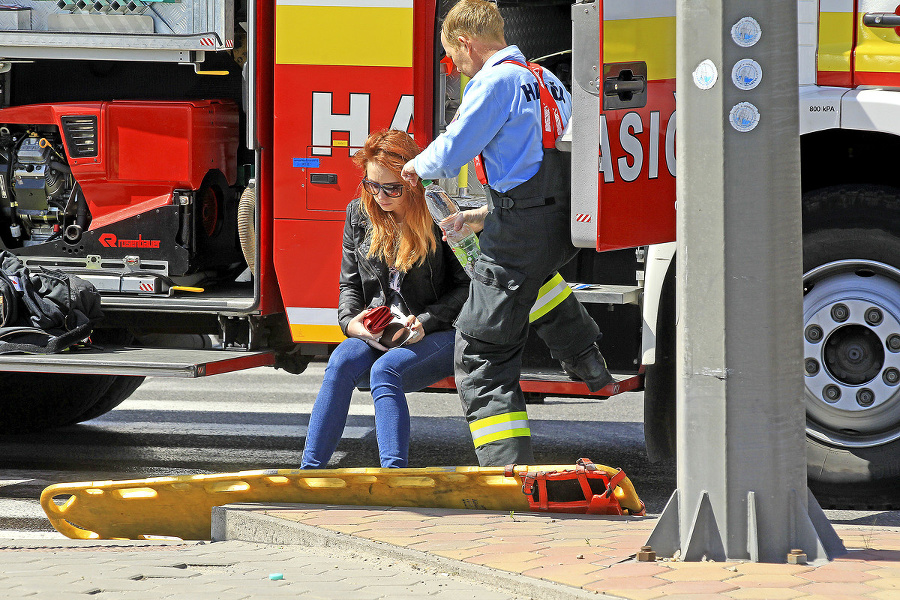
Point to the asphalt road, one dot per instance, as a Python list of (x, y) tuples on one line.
[(257, 419)]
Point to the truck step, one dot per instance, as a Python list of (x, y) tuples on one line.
[(126, 284), (607, 294), (157, 362), (554, 382)]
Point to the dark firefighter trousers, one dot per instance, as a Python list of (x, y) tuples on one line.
[(522, 248)]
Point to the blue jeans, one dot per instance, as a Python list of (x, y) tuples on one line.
[(389, 375)]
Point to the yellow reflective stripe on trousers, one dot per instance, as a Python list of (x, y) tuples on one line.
[(499, 427), (550, 295)]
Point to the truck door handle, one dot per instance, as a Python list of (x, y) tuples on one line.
[(881, 20), (624, 85), (326, 178)]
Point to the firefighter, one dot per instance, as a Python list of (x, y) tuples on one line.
[(525, 237)]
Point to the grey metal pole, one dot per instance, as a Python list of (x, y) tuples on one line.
[(740, 436)]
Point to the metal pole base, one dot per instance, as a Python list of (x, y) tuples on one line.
[(810, 532)]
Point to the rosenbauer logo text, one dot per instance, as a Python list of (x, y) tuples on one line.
[(110, 241)]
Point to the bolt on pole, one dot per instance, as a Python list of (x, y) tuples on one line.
[(741, 479)]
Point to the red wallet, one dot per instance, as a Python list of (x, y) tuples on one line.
[(376, 319)]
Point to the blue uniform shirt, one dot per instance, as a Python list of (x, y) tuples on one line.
[(500, 118)]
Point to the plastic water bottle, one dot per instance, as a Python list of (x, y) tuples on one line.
[(463, 242)]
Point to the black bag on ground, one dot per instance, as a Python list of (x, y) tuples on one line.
[(45, 310)]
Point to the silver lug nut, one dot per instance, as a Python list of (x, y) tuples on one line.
[(865, 397), (814, 334), (893, 342), (832, 393), (840, 312), (891, 376), (874, 316)]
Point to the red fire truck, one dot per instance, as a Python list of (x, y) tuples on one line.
[(191, 159)]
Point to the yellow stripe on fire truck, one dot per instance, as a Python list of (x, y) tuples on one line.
[(877, 48), (641, 30), (329, 32), (314, 325), (836, 22)]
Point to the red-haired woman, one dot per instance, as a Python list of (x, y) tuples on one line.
[(393, 256)]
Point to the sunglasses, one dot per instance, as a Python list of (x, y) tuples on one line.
[(391, 190)]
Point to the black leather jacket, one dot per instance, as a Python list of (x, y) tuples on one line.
[(434, 290)]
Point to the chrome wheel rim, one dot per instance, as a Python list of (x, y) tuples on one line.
[(851, 343)]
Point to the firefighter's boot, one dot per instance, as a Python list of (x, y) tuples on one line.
[(589, 366)]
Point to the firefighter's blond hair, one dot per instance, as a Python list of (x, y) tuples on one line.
[(476, 19), (407, 245)]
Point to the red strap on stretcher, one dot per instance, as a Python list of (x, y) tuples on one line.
[(604, 503), (551, 119)]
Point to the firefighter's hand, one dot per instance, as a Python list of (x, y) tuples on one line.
[(409, 173), (416, 331), (475, 219), (355, 328)]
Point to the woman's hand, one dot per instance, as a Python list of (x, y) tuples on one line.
[(355, 328), (416, 331)]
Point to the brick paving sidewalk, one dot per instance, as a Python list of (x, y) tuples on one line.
[(595, 554), (231, 570)]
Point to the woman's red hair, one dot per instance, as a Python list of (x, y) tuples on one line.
[(398, 247)]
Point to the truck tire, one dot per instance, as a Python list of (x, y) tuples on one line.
[(659, 379), (119, 390), (39, 401), (851, 328)]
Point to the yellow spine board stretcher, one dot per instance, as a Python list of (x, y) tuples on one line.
[(181, 506)]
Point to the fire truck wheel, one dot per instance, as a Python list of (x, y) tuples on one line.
[(40, 401), (121, 388), (659, 379), (851, 340)]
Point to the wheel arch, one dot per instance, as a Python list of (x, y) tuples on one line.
[(833, 157), (660, 260)]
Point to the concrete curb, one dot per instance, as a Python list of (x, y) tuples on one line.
[(87, 545), (245, 522)]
